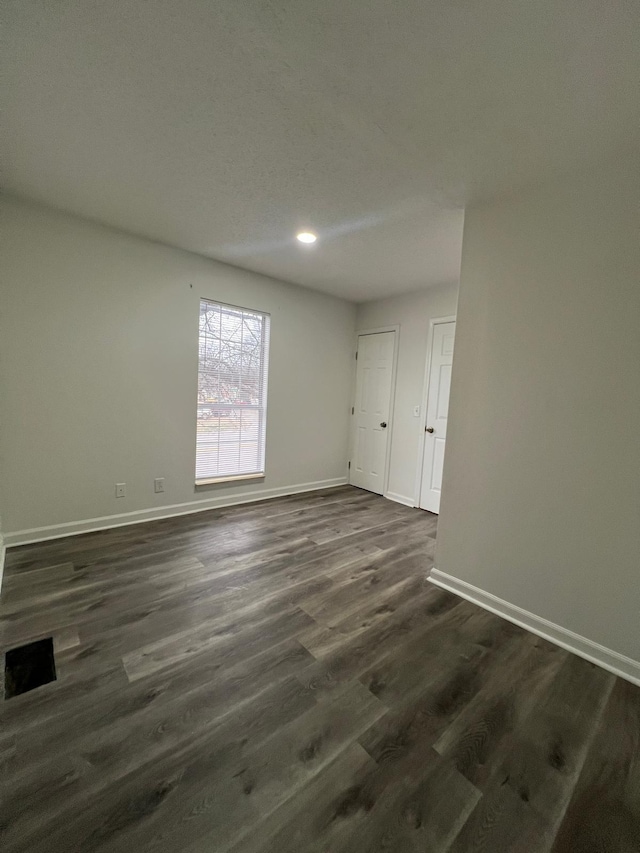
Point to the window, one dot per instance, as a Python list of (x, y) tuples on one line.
[(232, 392)]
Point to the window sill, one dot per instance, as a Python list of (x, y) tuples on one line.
[(235, 479)]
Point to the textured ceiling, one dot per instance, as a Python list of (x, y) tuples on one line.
[(223, 127)]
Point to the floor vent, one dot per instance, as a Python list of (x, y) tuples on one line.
[(27, 667)]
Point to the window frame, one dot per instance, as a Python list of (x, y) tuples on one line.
[(260, 408)]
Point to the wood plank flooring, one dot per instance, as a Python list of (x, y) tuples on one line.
[(281, 677)]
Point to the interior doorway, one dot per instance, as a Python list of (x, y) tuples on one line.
[(437, 408), (371, 412)]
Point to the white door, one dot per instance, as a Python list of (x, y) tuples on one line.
[(371, 412), (436, 419)]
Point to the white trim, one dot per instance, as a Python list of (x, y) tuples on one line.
[(422, 422), (90, 525), (400, 499), (235, 478), (392, 397), (621, 665), (377, 331)]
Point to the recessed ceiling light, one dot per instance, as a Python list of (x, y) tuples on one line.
[(306, 237)]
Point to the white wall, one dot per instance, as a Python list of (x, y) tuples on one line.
[(541, 495), (413, 314), (98, 348)]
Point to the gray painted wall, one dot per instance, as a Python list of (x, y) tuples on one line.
[(98, 348), (541, 498)]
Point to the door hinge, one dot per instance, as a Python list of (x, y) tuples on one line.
[(356, 355), (353, 410), (349, 464)]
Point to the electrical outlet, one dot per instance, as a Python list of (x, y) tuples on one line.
[(158, 485), (416, 411), (121, 490)]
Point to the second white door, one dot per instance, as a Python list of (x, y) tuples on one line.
[(372, 410), (437, 414)]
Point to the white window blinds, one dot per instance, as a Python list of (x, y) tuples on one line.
[(232, 392)]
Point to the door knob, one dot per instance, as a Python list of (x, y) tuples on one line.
[(383, 424), (429, 429)]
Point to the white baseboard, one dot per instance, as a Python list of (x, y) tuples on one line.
[(400, 499), (615, 662), (90, 525)]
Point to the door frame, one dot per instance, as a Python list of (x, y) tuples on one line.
[(435, 321), (392, 397)]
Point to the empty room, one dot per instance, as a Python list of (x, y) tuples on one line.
[(319, 426)]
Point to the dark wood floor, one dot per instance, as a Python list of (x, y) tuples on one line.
[(281, 677)]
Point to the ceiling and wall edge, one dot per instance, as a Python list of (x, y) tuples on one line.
[(37, 203)]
